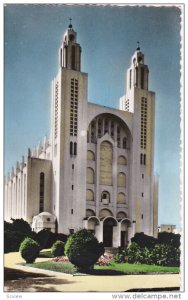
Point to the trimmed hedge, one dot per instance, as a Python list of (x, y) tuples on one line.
[(29, 250), (144, 240), (57, 249), (168, 238), (160, 254), (83, 249), (17, 230), (46, 238)]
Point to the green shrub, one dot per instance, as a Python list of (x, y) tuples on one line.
[(14, 233), (121, 256), (21, 225), (135, 253), (46, 238), (83, 249), (169, 239), (12, 240), (160, 254), (29, 250), (166, 255), (57, 249), (143, 240)]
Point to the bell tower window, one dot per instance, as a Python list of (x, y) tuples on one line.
[(143, 133), (56, 111), (136, 76), (73, 58), (142, 78), (130, 78), (74, 107)]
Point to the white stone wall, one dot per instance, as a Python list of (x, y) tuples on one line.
[(16, 193), (69, 171), (34, 167)]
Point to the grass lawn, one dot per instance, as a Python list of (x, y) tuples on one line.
[(113, 269), (64, 267), (135, 268), (45, 253)]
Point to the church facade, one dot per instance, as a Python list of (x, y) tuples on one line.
[(96, 169)]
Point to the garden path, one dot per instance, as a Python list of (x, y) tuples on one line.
[(19, 279)]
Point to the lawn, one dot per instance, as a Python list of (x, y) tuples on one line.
[(45, 253), (136, 268), (113, 269), (64, 267)]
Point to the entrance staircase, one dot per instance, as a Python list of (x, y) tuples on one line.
[(111, 250)]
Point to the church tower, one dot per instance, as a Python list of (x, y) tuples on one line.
[(69, 112), (141, 102)]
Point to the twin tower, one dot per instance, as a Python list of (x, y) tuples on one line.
[(96, 170)]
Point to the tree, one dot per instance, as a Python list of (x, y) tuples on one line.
[(29, 250), (83, 249), (14, 234), (57, 248)]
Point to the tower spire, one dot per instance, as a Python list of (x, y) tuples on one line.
[(70, 24), (138, 46), (70, 51)]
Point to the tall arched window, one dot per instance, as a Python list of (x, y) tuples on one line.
[(106, 157), (136, 76), (73, 58), (41, 204), (89, 195), (75, 148), (90, 175), (71, 148), (121, 180), (141, 155), (130, 78), (90, 155), (99, 128), (124, 143), (121, 198), (142, 78), (106, 126), (118, 137)]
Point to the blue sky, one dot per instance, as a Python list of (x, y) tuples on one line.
[(108, 37)]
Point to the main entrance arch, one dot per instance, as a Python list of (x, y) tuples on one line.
[(109, 231), (125, 224)]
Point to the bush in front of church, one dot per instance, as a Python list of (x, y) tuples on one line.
[(83, 249), (29, 250), (46, 238), (57, 249), (160, 254), (144, 240), (14, 233)]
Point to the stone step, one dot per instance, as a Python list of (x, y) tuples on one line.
[(111, 250)]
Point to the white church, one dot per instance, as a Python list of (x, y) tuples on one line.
[(96, 170)]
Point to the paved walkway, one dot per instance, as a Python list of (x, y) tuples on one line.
[(30, 280)]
